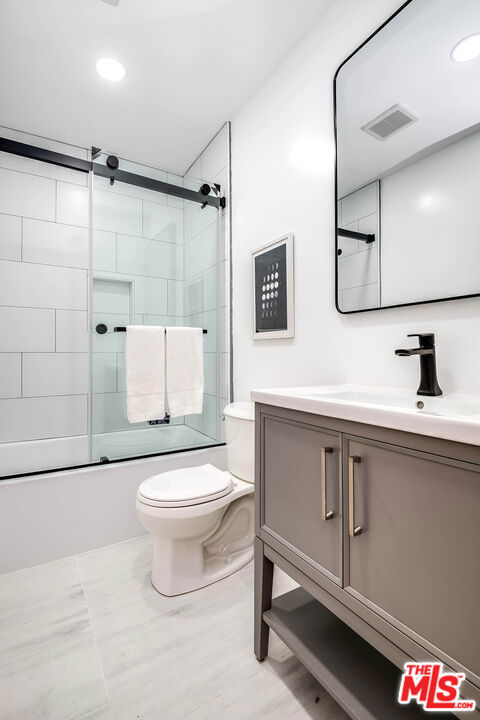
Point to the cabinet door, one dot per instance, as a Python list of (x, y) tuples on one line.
[(301, 490), (414, 552)]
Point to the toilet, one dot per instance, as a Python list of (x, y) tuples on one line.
[(201, 518)]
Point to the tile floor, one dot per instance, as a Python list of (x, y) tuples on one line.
[(88, 638)]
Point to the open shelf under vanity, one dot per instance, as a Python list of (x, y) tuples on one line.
[(362, 680)]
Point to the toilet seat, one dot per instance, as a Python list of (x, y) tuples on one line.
[(185, 487)]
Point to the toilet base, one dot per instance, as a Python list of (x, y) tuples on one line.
[(196, 546), (215, 569)]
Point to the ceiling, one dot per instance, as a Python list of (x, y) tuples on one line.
[(191, 65), (408, 63)]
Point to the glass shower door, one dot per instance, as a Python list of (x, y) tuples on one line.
[(156, 261)]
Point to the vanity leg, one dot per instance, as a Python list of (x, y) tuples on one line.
[(263, 599)]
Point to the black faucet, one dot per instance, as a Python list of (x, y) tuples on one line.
[(428, 365)]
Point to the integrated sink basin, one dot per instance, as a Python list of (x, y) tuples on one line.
[(443, 405), (452, 416)]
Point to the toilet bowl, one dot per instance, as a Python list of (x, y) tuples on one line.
[(201, 518)]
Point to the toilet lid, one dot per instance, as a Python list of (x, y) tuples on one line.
[(187, 486)]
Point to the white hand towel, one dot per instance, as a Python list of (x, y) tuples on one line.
[(145, 373), (184, 371)]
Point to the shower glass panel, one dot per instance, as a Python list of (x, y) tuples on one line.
[(155, 261)]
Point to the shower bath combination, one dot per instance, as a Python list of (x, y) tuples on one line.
[(151, 245)]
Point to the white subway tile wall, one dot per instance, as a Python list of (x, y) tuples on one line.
[(73, 204), (11, 237), (55, 244), (10, 375), (44, 260), (138, 277), (104, 250), (45, 374), (27, 195), (154, 262), (25, 284), (27, 329), (358, 263), (42, 417), (71, 331)]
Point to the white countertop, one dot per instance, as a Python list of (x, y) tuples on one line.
[(452, 416)]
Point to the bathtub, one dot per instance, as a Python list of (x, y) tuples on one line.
[(53, 515)]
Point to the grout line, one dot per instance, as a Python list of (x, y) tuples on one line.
[(112, 275), (129, 235), (49, 397), (52, 352), (42, 219), (53, 222), (84, 268), (45, 177), (44, 307), (94, 637), (42, 439)]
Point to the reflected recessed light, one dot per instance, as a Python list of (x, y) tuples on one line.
[(110, 69), (467, 49)]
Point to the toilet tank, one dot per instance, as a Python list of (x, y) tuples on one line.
[(240, 439)]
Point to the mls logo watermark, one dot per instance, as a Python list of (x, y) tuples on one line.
[(427, 684)]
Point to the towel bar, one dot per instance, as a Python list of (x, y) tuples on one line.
[(124, 329), (101, 329)]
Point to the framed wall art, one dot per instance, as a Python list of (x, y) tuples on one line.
[(273, 290)]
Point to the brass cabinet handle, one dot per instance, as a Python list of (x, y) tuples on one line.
[(353, 529), (326, 514)]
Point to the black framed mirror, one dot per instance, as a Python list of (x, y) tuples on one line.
[(407, 133)]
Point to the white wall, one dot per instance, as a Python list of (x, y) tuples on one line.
[(283, 181), (431, 226)]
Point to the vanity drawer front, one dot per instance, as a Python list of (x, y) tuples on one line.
[(416, 554), (301, 467)]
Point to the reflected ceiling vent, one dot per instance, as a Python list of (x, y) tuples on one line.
[(112, 2), (389, 122)]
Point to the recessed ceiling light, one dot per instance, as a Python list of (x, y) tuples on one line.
[(467, 49), (110, 69)]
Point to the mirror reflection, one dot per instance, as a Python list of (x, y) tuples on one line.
[(408, 160)]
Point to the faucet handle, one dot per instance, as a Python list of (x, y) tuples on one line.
[(426, 340)]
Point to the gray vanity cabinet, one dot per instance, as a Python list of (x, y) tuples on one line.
[(381, 530), (302, 496), (416, 558)]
